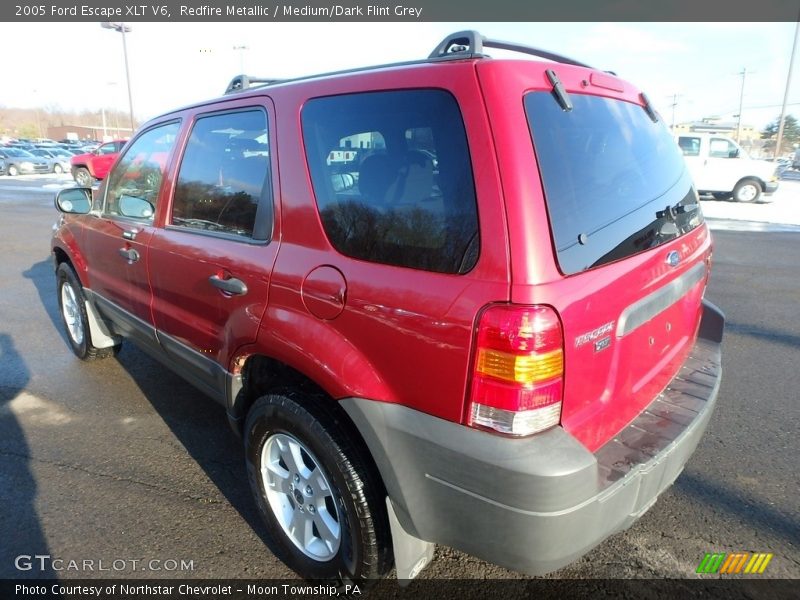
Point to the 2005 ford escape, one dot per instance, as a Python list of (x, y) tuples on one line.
[(455, 301)]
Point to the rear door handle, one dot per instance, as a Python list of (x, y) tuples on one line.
[(231, 286), (129, 254)]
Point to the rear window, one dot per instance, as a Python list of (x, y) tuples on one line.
[(393, 179), (610, 174)]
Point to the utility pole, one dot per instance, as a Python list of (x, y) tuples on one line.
[(741, 101), (786, 93), (673, 105)]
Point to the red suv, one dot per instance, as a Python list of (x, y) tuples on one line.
[(86, 168), (485, 328)]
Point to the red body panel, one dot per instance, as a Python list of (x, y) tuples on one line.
[(398, 334)]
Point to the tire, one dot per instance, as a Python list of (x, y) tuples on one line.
[(13, 171), (747, 190), (57, 169), (314, 463), (82, 177), (72, 307)]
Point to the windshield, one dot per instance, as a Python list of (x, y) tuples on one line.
[(614, 181)]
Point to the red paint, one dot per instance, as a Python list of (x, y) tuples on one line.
[(390, 333)]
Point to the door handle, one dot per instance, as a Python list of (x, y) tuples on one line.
[(129, 254), (231, 286)]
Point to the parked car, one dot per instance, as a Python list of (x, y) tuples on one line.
[(721, 167), (2, 166), (509, 354), (58, 161), (88, 167), (22, 162)]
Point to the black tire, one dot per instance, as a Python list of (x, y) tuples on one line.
[(364, 549), (82, 177), (13, 171), (81, 344), (747, 190), (57, 169)]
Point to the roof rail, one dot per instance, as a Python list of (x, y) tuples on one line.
[(244, 82), (470, 43)]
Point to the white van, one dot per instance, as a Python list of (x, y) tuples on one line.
[(720, 167)]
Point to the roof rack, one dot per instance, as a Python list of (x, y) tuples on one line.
[(456, 46), (244, 82), (465, 44)]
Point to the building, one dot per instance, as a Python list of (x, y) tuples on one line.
[(83, 132)]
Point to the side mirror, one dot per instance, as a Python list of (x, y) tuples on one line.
[(135, 207), (74, 201)]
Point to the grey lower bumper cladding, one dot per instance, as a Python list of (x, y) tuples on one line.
[(538, 503)]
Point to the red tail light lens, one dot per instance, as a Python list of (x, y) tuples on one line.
[(518, 371)]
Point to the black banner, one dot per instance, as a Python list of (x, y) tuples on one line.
[(398, 10), (390, 589)]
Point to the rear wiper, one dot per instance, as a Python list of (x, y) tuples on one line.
[(558, 90), (671, 212)]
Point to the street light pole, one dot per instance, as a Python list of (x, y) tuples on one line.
[(123, 29), (241, 50)]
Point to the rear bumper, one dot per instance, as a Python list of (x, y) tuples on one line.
[(537, 504)]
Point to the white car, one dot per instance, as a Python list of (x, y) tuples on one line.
[(719, 166)]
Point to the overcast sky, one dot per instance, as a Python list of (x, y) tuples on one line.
[(80, 65)]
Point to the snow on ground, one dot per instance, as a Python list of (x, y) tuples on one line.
[(781, 214)]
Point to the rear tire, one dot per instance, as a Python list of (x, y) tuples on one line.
[(747, 190), (318, 494), (72, 306), (82, 177)]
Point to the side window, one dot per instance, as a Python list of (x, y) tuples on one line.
[(107, 149), (223, 175), (393, 179), (134, 183), (722, 148), (690, 146)]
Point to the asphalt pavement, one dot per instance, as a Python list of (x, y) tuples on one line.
[(122, 463)]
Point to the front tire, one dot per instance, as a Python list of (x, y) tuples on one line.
[(72, 306), (747, 190), (318, 494), (57, 169), (13, 171)]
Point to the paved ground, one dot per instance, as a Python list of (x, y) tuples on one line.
[(122, 461)]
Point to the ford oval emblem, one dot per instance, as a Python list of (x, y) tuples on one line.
[(673, 258)]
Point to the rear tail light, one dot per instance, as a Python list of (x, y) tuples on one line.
[(518, 371)]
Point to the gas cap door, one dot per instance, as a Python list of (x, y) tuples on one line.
[(324, 292)]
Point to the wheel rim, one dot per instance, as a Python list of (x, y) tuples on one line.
[(83, 178), (747, 193), (300, 497), (57, 169), (70, 310), (12, 171)]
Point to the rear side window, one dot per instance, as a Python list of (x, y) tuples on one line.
[(609, 174), (223, 175), (690, 146), (392, 177)]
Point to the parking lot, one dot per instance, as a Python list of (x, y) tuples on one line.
[(121, 460)]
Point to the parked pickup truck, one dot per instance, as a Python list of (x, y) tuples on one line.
[(720, 167), (95, 164)]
